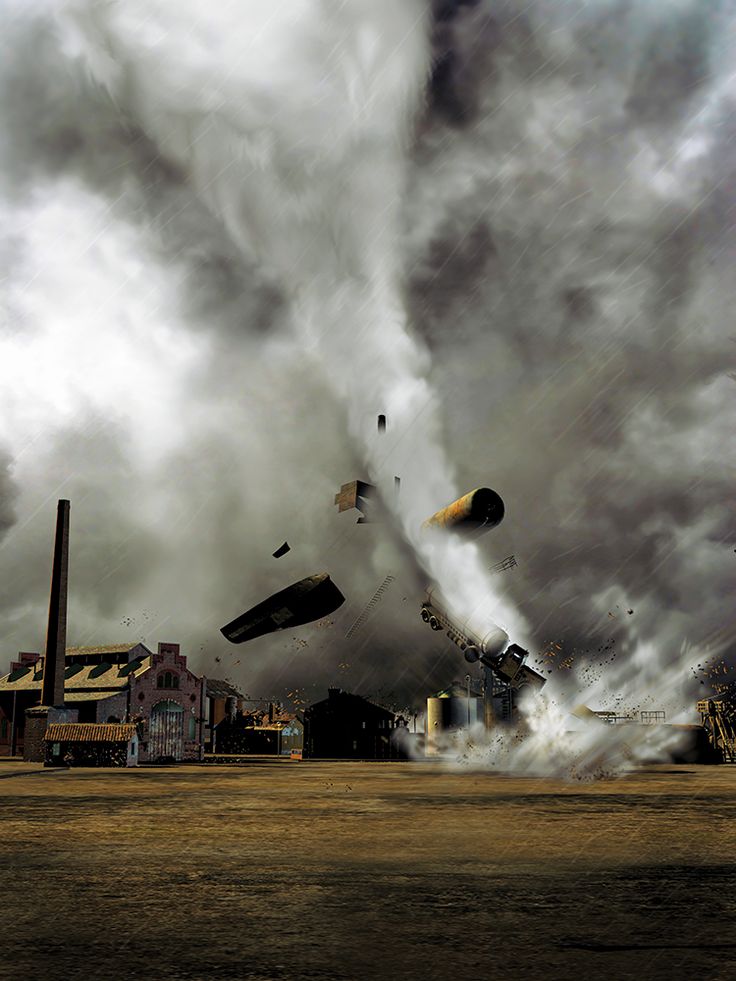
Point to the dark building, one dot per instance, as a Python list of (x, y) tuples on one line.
[(348, 727), (222, 700), (263, 732)]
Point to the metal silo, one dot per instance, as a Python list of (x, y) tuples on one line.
[(450, 711)]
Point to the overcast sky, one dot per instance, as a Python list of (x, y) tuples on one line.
[(223, 235)]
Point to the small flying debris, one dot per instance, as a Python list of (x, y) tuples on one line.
[(303, 602), (473, 514), (357, 494), (281, 550), (508, 563), (382, 423)]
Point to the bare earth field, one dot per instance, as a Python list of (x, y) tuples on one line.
[(284, 870)]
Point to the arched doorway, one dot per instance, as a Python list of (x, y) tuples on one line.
[(166, 732)]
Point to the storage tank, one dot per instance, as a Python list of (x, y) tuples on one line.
[(450, 712)]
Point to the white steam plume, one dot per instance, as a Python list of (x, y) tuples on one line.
[(290, 121), (559, 735)]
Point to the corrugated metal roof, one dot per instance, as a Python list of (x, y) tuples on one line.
[(89, 732)]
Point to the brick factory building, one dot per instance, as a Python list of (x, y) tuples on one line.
[(112, 684)]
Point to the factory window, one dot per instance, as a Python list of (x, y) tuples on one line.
[(168, 679), (364, 725), (192, 728)]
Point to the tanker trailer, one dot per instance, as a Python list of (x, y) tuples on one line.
[(480, 639)]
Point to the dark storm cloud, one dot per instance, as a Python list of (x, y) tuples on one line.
[(578, 256), (8, 494), (576, 302), (673, 64), (59, 123)]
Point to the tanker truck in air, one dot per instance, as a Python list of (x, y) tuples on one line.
[(480, 639)]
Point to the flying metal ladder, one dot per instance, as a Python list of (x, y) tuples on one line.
[(370, 606)]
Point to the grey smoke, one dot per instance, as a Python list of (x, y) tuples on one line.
[(568, 243)]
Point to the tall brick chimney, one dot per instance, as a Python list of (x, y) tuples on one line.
[(52, 692)]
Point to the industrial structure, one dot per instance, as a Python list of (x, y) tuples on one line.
[(452, 711), (50, 706), (718, 717), (112, 684)]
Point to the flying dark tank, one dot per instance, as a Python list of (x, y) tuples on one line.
[(473, 514), (303, 602)]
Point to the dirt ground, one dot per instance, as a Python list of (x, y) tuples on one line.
[(293, 870)]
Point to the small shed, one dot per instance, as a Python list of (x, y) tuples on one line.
[(92, 744)]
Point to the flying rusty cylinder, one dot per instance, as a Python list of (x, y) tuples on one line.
[(473, 514)]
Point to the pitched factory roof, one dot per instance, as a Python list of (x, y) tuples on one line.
[(88, 696), (110, 677), (103, 649), (89, 732), (340, 700)]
